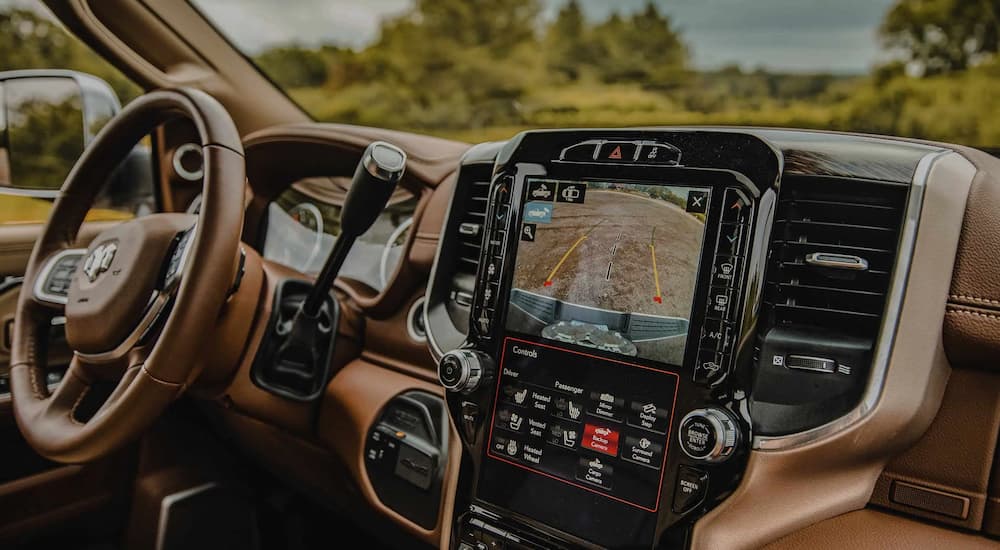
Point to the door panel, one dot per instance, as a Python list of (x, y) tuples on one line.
[(16, 241), (38, 496)]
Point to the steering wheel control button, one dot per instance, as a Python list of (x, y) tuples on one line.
[(649, 416), (601, 439), (642, 449), (595, 471), (607, 406), (692, 485), (709, 435), (618, 151), (463, 370), (581, 152)]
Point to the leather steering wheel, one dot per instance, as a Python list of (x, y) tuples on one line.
[(143, 298)]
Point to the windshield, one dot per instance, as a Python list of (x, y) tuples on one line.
[(485, 69)]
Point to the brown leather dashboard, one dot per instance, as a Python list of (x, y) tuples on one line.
[(954, 283)]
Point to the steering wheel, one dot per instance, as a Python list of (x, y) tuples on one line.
[(142, 299)]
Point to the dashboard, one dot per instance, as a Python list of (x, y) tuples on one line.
[(651, 308), (622, 338)]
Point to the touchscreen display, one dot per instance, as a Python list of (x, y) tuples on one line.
[(610, 266)]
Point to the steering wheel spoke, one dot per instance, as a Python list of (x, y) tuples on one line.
[(50, 288)]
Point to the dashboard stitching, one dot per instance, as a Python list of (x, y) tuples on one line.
[(975, 299), (971, 312)]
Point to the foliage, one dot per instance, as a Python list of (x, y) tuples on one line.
[(45, 140), (30, 41), (939, 36), (485, 69), (294, 66)]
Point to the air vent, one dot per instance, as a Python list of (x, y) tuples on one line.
[(474, 187), (833, 248), (832, 252)]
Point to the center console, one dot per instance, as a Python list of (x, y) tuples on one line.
[(601, 392)]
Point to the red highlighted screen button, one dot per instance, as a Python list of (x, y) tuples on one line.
[(601, 439)]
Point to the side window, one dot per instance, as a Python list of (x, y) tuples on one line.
[(55, 96)]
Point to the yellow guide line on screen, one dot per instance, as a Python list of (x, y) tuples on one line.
[(548, 280), (656, 273)]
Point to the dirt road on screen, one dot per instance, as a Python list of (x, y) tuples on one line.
[(617, 251)]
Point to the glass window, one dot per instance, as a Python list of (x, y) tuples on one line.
[(484, 69), (46, 121), (304, 222)]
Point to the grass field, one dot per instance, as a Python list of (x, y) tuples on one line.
[(16, 209)]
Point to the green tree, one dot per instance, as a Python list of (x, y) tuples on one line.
[(451, 63), (940, 36), (643, 48), (567, 42), (293, 66), (31, 41)]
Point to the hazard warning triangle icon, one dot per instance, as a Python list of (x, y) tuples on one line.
[(616, 154)]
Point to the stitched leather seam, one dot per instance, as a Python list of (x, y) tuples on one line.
[(33, 376), (72, 411), (975, 313), (975, 299)]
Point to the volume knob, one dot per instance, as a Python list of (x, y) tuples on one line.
[(709, 435), (463, 370)]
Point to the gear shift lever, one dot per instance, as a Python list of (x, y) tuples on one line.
[(374, 181), (294, 358)]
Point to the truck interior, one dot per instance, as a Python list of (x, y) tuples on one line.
[(499, 274)]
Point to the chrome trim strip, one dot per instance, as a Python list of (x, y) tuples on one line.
[(837, 261), (43, 275), (33, 193), (169, 501), (411, 320), (380, 167), (437, 352), (890, 322)]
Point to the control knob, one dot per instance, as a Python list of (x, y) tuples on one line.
[(709, 435), (462, 370)]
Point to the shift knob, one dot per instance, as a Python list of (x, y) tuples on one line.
[(381, 167)]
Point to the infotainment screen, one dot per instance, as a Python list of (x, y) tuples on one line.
[(608, 265)]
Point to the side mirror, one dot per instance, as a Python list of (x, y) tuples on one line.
[(47, 118)]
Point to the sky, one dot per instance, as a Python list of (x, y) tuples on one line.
[(784, 35), (787, 35)]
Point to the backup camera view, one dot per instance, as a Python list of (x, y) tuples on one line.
[(609, 266)]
